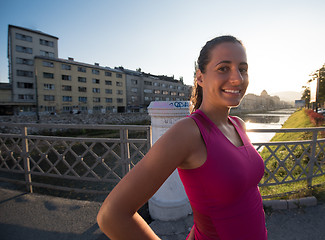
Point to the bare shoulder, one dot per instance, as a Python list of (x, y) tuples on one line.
[(241, 121), (186, 128)]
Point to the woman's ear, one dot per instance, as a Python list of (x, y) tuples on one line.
[(199, 77)]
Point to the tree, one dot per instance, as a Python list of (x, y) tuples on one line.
[(320, 75)]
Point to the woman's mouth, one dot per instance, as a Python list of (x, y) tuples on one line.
[(231, 91)]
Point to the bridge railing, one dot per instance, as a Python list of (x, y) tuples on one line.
[(97, 164), (80, 164), (292, 161)]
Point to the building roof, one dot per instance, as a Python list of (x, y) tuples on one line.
[(67, 61), (30, 30)]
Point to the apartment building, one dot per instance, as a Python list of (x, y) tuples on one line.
[(23, 45), (142, 88), (70, 86)]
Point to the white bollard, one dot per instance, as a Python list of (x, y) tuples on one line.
[(170, 201)]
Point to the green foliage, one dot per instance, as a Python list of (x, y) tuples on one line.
[(283, 160)]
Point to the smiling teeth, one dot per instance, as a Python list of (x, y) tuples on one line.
[(232, 91)]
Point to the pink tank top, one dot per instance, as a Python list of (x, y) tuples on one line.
[(223, 192)]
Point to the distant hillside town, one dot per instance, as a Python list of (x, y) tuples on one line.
[(40, 82)]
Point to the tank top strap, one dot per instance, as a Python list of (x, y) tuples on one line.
[(203, 124), (237, 122)]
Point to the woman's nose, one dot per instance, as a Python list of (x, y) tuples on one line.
[(236, 77)]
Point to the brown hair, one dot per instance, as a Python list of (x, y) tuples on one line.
[(202, 62)]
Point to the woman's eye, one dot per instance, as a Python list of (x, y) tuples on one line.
[(243, 70), (223, 69)]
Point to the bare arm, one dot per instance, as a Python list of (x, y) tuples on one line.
[(118, 217)]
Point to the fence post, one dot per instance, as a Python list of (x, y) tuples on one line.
[(312, 159), (25, 153), (125, 151)]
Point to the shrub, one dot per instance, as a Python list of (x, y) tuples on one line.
[(316, 118)]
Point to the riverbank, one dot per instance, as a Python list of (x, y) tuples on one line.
[(298, 189)]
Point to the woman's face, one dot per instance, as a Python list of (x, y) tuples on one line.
[(225, 80)]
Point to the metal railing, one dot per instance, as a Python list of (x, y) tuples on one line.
[(80, 164), (292, 161), (97, 164)]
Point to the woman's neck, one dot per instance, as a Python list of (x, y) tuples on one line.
[(217, 115)]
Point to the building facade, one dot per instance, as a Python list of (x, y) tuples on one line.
[(41, 82), (23, 45), (142, 88), (70, 86)]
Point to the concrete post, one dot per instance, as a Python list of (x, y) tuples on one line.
[(170, 201)]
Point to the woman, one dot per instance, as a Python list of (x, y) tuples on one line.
[(218, 166)]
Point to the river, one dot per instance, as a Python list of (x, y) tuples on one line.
[(269, 120)]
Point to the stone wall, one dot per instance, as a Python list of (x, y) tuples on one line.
[(108, 118)]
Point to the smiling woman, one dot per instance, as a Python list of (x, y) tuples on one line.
[(219, 167)]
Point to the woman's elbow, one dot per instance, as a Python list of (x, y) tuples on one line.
[(104, 218)]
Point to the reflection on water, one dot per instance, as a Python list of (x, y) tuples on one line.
[(269, 120)]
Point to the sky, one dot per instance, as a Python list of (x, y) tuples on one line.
[(284, 40)]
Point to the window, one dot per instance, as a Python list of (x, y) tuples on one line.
[(46, 43), (156, 84), (146, 98), (24, 61), (134, 98), (25, 96), (107, 82), (119, 92), (118, 75), (83, 108), (96, 99), (24, 85), (181, 94), (82, 99), (157, 91), (82, 89), (49, 98), (95, 71), (49, 108), (66, 98), (173, 93), (172, 87), (24, 49), (66, 88), (48, 75), (97, 108), (48, 64), (109, 100), (67, 109), (23, 73), (134, 82), (65, 67), (82, 79), (47, 54), (108, 91), (96, 81), (108, 74), (24, 37), (96, 90), (180, 88), (66, 77), (48, 86), (164, 85), (81, 69), (147, 83), (157, 98), (165, 92), (119, 84), (119, 100), (134, 90), (147, 90)]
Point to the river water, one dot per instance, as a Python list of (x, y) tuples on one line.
[(269, 120)]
